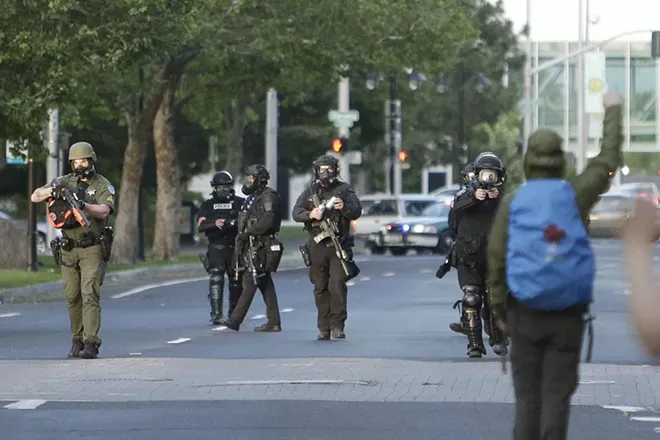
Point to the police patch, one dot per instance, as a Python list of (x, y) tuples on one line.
[(111, 189), (217, 206)]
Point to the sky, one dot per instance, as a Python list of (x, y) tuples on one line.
[(557, 20)]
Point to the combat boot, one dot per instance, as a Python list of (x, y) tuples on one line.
[(323, 336), (91, 350), (475, 348), (76, 347), (337, 334), (272, 328)]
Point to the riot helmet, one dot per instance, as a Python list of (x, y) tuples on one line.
[(256, 178), (326, 169), (488, 168), (467, 175), (82, 159), (223, 186)]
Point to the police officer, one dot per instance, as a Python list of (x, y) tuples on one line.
[(326, 272), (217, 219), (471, 216), (83, 251), (258, 223)]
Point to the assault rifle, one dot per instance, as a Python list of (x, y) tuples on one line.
[(64, 193), (249, 258), (329, 228)]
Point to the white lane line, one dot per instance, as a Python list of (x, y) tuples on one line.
[(426, 271), (625, 409), (258, 317), (388, 274), (646, 419), (135, 354), (220, 328), (595, 382), (286, 310), (365, 278), (350, 283), (25, 404), (9, 315), (178, 341), (156, 286)]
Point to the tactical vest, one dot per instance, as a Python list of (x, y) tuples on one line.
[(223, 210)]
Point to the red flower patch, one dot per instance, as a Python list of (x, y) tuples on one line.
[(553, 234)]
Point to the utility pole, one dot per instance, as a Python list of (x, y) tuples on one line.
[(343, 131), (33, 265), (393, 115), (272, 121), (53, 163)]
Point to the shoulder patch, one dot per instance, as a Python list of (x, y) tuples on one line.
[(111, 189)]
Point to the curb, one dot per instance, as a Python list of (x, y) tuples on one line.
[(53, 289)]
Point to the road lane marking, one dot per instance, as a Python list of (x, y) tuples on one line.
[(646, 419), (350, 283), (220, 328), (625, 409), (388, 274), (156, 286), (9, 315), (595, 382), (365, 278), (258, 317), (179, 341), (26, 404), (135, 354), (286, 310)]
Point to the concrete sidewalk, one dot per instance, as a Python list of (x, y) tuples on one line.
[(336, 379)]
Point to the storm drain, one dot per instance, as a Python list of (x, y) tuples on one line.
[(367, 383), (119, 379)]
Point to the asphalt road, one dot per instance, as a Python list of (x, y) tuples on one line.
[(397, 310)]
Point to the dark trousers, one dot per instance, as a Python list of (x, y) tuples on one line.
[(267, 288), (330, 291), (221, 261), (545, 357)]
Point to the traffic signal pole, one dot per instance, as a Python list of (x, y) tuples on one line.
[(343, 105)]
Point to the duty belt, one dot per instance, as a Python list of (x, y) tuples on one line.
[(69, 243)]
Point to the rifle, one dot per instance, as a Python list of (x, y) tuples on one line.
[(73, 201), (250, 259), (330, 228)]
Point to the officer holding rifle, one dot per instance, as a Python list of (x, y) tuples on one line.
[(326, 208)]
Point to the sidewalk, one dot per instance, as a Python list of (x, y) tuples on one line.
[(335, 379)]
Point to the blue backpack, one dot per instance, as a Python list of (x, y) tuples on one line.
[(550, 263)]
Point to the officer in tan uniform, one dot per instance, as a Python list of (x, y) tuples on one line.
[(79, 204)]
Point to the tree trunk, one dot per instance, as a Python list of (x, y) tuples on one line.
[(235, 123), (124, 248), (168, 178)]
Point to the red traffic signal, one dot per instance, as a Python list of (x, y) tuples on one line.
[(403, 156)]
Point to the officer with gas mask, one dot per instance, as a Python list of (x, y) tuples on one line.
[(334, 200), (217, 219), (471, 216), (79, 204), (258, 251)]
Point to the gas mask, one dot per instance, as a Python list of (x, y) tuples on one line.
[(326, 174), (250, 186), (488, 176), (82, 167), (223, 192)]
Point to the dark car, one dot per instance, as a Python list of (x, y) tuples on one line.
[(427, 232)]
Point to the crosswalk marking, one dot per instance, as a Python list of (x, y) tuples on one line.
[(25, 404)]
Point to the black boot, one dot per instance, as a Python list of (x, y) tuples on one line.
[(268, 328), (76, 347), (475, 341), (459, 327), (91, 350)]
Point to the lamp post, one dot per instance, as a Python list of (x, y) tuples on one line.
[(393, 122)]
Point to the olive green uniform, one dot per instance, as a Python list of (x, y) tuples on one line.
[(83, 266), (546, 345)]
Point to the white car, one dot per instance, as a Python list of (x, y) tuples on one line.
[(42, 232)]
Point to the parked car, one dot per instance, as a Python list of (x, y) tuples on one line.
[(381, 209), (647, 190), (446, 191), (609, 215), (42, 231), (427, 232)]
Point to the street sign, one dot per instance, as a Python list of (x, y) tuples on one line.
[(11, 158), (526, 106), (343, 119), (353, 157)]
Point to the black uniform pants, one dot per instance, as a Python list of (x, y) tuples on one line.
[(545, 357), (221, 259), (267, 288), (330, 291)]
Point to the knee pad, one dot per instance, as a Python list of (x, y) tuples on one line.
[(217, 276), (471, 296)]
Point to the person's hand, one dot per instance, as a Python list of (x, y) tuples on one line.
[(611, 99), (316, 214), (493, 193), (642, 226), (339, 204), (481, 194), (219, 223)]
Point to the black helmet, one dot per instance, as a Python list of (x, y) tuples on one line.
[(330, 171), (260, 176), (223, 185), (467, 174), (489, 167)]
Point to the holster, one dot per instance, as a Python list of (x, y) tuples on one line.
[(56, 249), (304, 251), (107, 237)]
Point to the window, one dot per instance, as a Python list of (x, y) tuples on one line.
[(414, 208), (378, 207), (436, 210)]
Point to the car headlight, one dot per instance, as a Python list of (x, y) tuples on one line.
[(424, 229)]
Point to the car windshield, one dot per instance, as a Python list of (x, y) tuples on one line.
[(436, 210), (613, 204)]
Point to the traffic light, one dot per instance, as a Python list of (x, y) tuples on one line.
[(338, 144), (403, 156)]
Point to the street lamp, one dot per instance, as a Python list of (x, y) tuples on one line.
[(415, 80)]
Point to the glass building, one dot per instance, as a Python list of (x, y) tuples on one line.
[(629, 70)]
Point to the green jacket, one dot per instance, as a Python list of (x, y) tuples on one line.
[(545, 159)]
